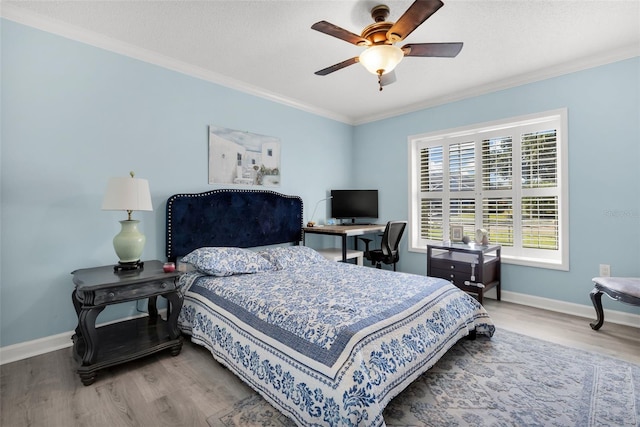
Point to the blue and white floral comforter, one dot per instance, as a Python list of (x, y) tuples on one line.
[(328, 343)]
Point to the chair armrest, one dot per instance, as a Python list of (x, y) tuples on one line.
[(366, 243)]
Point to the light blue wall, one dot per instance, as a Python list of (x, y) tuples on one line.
[(73, 116), (603, 106)]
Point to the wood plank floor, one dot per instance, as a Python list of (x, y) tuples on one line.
[(190, 388)]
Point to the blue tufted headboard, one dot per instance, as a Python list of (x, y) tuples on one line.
[(226, 217)]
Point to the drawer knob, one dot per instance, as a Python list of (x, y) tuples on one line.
[(112, 295), (452, 267)]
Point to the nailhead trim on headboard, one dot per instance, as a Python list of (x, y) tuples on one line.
[(247, 218)]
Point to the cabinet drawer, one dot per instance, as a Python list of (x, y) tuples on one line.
[(459, 267), (454, 261), (455, 277), (132, 292)]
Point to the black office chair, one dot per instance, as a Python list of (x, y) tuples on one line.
[(388, 252)]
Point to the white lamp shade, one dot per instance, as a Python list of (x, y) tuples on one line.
[(383, 57), (127, 194)]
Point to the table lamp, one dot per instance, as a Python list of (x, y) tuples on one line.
[(128, 194), (311, 222)]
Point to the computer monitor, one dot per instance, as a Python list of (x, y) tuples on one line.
[(354, 204)]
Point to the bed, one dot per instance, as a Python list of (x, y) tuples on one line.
[(326, 343)]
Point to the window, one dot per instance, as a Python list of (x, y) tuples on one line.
[(508, 177)]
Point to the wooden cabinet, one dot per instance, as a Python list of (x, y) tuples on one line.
[(119, 342), (472, 268)]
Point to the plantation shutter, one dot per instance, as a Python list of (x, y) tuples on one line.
[(431, 185), (539, 159), (507, 177), (540, 208)]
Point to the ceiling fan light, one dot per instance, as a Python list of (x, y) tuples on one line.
[(383, 57)]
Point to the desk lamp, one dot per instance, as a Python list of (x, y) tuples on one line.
[(128, 194), (311, 223)]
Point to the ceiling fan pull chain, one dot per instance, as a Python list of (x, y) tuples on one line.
[(380, 79)]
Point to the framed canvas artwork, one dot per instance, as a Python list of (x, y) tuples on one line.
[(237, 157)]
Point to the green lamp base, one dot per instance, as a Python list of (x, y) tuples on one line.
[(129, 244)]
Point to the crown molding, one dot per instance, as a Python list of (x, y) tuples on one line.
[(569, 67), (91, 38), (66, 30)]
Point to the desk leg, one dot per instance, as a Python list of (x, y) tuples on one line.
[(344, 248), (499, 275)]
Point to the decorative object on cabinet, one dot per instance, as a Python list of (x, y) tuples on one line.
[(243, 158), (95, 288), (482, 237), (128, 194), (457, 233), (472, 268)]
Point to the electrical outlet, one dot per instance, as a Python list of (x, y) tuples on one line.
[(605, 270)]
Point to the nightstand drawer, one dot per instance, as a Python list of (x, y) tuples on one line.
[(453, 261), (132, 292), (455, 277)]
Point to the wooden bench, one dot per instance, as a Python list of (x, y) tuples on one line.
[(624, 289)]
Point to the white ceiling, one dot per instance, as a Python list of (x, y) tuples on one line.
[(268, 48)]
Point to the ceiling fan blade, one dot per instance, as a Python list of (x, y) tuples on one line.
[(337, 66), (445, 50), (417, 13), (387, 79), (338, 32)]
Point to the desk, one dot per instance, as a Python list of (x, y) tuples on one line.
[(335, 254), (343, 231)]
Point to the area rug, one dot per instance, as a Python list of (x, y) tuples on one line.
[(508, 380)]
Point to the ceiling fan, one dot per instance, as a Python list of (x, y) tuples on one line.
[(381, 55)]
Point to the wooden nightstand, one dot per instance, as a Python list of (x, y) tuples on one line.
[(109, 345), (472, 268)]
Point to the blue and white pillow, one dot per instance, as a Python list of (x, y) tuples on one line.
[(221, 261), (290, 257)]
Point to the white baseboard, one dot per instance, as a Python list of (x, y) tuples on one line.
[(24, 350), (586, 311)]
